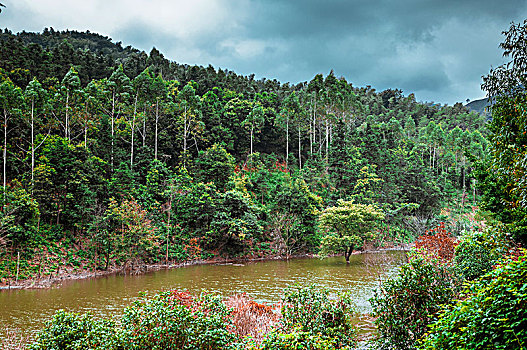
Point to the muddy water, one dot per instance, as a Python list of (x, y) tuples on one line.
[(263, 281)]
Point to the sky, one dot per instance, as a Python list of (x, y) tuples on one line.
[(437, 50)]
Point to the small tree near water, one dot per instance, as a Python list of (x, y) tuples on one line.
[(349, 226)]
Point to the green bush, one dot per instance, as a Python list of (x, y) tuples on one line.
[(405, 305), (73, 331), (175, 320), (492, 313), (310, 314), (478, 251), (296, 340)]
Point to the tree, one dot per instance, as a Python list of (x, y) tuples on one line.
[(141, 86), (290, 109), (36, 96), (348, 226), (506, 85), (135, 235), (10, 102), (66, 98), (159, 90), (215, 165), (254, 121), (189, 107), (118, 89)]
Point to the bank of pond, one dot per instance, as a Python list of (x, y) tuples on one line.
[(385, 300)]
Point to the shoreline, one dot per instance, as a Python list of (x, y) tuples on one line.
[(49, 282)]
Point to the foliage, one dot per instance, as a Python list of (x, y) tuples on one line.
[(137, 236), (479, 251), (490, 313), (204, 158), (215, 165), (296, 340), (295, 216), (505, 85), (405, 305), (250, 319), (350, 226), (177, 321), (438, 242), (18, 217), (311, 315), (73, 331)]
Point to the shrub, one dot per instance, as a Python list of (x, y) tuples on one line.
[(492, 312), (251, 319), (73, 331), (479, 251), (296, 340), (405, 305), (439, 242), (175, 320), (311, 310)]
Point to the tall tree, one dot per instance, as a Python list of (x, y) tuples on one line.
[(118, 91), (11, 100), (160, 91), (254, 121), (36, 97), (189, 104), (67, 98)]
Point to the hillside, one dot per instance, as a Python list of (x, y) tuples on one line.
[(140, 160), (479, 106)]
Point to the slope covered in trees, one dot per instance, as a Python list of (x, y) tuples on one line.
[(138, 159)]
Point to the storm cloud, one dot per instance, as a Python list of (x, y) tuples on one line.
[(436, 49)]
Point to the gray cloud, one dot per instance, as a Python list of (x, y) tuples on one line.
[(436, 49)]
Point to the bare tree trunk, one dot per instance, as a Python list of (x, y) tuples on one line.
[(287, 141), (168, 225), (347, 253), (66, 126), (5, 151), (113, 129), (144, 127), (327, 139), (299, 149), (32, 144), (157, 120), (252, 128), (133, 130), (86, 128), (185, 135)]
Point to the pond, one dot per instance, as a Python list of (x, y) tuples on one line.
[(263, 281)]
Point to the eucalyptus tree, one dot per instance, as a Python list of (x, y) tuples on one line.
[(117, 89), (290, 110), (314, 89), (160, 92), (254, 121), (11, 100), (141, 86), (66, 99), (189, 115), (36, 97), (92, 106)]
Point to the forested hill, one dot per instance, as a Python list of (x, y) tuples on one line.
[(51, 53), (140, 158)]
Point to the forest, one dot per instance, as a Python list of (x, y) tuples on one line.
[(140, 160), (115, 159)]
